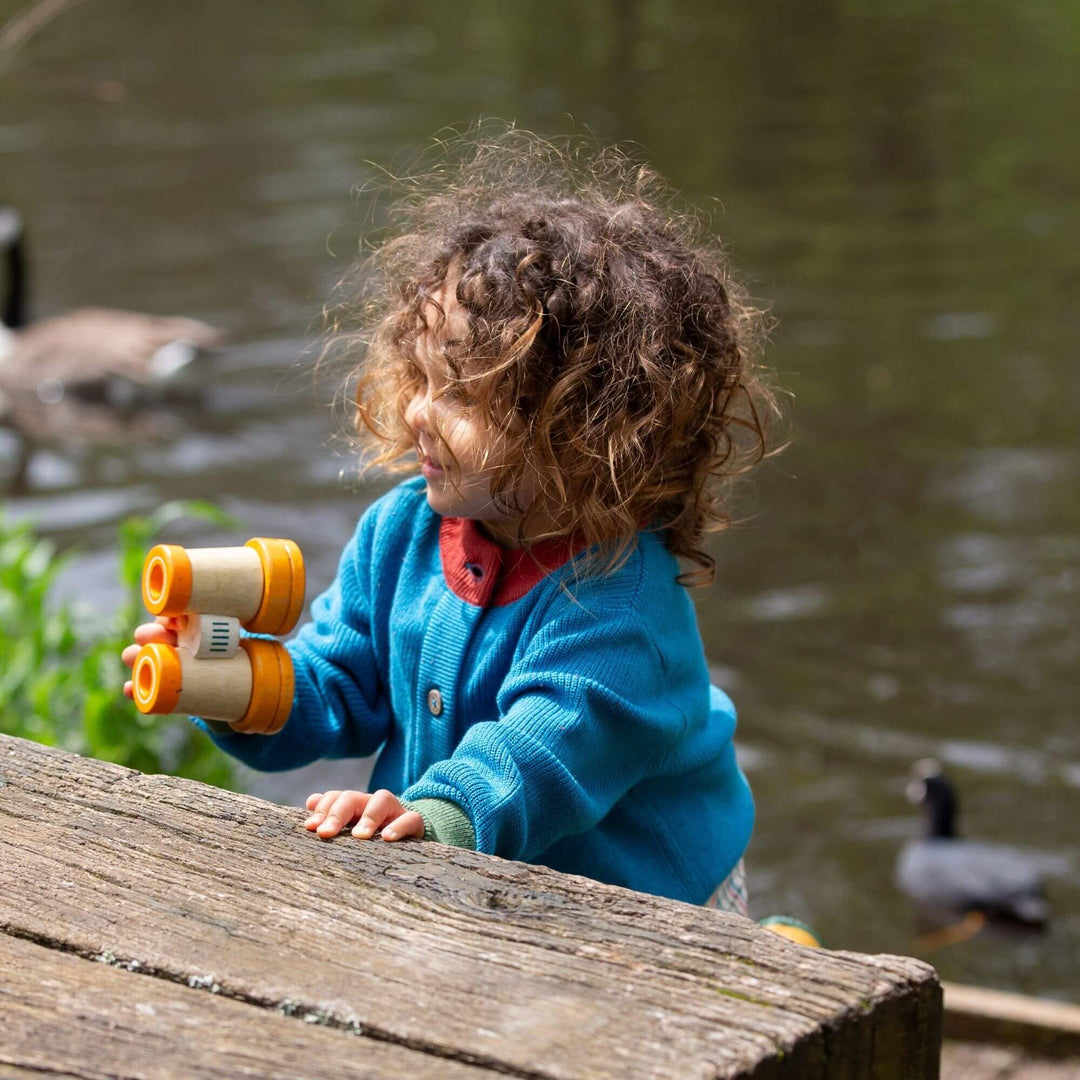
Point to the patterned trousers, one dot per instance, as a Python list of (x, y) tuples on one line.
[(730, 894)]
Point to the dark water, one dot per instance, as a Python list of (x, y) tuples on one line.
[(903, 184)]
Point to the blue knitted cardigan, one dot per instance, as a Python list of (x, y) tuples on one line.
[(566, 720)]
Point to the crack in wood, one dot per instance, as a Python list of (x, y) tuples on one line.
[(43, 1070), (298, 1010)]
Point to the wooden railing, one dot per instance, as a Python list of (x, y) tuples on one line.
[(157, 927)]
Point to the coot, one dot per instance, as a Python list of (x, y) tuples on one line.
[(943, 872)]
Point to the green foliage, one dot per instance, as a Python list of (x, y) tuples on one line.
[(61, 675)]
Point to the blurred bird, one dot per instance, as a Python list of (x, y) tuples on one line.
[(86, 374), (944, 873)]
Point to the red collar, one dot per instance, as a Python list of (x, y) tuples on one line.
[(484, 574)]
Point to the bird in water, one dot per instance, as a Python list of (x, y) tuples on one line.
[(945, 873), (88, 374)]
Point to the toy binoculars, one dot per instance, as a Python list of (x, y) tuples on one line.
[(212, 672)]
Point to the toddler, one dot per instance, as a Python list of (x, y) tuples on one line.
[(570, 370)]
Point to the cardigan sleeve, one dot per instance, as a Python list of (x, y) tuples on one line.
[(588, 711), (340, 708)]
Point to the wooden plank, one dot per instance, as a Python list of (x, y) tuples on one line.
[(63, 1014), (987, 1061), (456, 954), (978, 1015)]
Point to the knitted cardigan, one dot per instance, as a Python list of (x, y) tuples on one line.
[(525, 710)]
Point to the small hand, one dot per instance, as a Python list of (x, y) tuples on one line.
[(163, 631), (333, 811)]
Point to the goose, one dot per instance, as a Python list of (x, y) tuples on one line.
[(943, 872), (101, 364)]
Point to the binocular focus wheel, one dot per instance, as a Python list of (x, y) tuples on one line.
[(283, 586), (272, 686)]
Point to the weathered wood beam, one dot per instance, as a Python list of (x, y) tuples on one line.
[(62, 1014), (460, 956), (993, 1016)]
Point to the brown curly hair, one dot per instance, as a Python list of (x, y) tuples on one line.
[(607, 342)]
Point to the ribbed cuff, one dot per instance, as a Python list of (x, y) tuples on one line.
[(444, 822)]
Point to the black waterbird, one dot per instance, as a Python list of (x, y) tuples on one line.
[(943, 872)]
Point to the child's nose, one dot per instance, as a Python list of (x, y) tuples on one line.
[(416, 414)]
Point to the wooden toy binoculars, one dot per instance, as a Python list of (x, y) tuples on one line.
[(212, 672)]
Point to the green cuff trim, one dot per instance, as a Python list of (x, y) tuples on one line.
[(444, 822)]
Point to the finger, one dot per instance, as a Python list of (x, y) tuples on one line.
[(318, 811), (154, 633), (146, 634), (313, 800), (326, 801), (410, 824), (344, 810), (381, 808), (128, 690)]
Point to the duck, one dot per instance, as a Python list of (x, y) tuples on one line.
[(85, 373), (943, 872)]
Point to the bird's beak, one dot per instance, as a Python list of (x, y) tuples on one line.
[(915, 791)]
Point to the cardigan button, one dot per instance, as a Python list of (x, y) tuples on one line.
[(434, 701)]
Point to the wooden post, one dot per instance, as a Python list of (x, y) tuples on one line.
[(975, 1014), (147, 921)]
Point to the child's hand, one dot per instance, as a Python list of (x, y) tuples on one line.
[(163, 631), (333, 811)]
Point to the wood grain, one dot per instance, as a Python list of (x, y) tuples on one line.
[(64, 1014), (458, 955)]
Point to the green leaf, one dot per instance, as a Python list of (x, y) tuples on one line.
[(61, 678)]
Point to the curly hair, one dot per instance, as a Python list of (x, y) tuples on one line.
[(608, 344)]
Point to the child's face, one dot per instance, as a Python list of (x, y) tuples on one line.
[(477, 450)]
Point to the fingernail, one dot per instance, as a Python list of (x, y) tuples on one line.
[(389, 834), (314, 818)]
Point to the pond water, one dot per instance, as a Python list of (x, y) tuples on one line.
[(903, 184)]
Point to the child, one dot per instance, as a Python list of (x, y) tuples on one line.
[(569, 368)]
